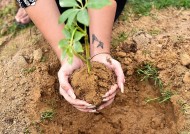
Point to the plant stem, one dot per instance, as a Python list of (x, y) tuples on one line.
[(80, 56), (87, 49)]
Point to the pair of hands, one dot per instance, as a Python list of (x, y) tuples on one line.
[(67, 91)]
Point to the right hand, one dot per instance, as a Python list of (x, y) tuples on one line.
[(65, 88)]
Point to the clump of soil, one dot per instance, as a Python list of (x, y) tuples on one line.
[(91, 87)]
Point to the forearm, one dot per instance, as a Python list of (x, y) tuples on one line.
[(45, 15), (101, 24)]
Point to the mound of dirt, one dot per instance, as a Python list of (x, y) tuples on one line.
[(92, 87)]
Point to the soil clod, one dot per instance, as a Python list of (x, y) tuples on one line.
[(91, 87)]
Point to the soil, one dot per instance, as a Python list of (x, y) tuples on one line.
[(29, 84), (92, 87)]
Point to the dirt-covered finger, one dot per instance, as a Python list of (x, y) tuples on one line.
[(111, 91), (71, 100), (105, 104), (110, 97)]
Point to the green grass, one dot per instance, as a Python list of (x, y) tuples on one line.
[(29, 70), (8, 24), (149, 72), (143, 7), (47, 115)]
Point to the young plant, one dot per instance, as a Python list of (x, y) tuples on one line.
[(148, 72), (73, 17)]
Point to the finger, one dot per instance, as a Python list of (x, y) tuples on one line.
[(84, 107), (71, 100), (120, 75), (87, 110), (111, 91), (109, 97), (25, 20), (70, 92), (105, 104), (63, 79)]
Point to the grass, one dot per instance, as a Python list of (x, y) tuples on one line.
[(29, 70), (149, 72), (47, 115), (8, 25), (143, 7)]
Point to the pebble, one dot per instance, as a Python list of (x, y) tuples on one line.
[(3, 90), (185, 59), (121, 54), (38, 55), (186, 78)]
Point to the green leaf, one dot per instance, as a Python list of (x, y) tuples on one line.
[(67, 33), (83, 17), (68, 3), (70, 52), (70, 60), (78, 35), (65, 15), (72, 17), (78, 47), (97, 4), (63, 43), (63, 54)]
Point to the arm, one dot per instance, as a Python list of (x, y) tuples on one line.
[(45, 15), (101, 24)]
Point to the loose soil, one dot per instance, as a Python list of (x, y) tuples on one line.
[(29, 84), (92, 87)]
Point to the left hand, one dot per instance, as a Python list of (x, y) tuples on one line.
[(114, 65)]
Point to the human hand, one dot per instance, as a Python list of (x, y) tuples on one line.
[(114, 65), (65, 88)]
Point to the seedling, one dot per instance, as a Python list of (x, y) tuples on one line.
[(73, 17), (47, 115), (148, 72)]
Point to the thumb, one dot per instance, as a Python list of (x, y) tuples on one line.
[(70, 92), (120, 76), (64, 83)]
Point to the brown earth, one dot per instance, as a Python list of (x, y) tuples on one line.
[(92, 87), (29, 85)]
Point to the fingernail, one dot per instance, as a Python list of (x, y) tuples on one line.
[(89, 105), (92, 106), (101, 107), (71, 94), (122, 88), (92, 111), (106, 99)]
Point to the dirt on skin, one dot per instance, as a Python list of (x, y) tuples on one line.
[(29, 84), (92, 87)]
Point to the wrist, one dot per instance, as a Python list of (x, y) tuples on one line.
[(101, 56)]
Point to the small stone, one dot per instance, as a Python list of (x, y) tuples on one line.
[(38, 55), (186, 78), (3, 31), (18, 61), (185, 59), (3, 90), (121, 54)]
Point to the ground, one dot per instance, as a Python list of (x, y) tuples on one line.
[(30, 100)]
